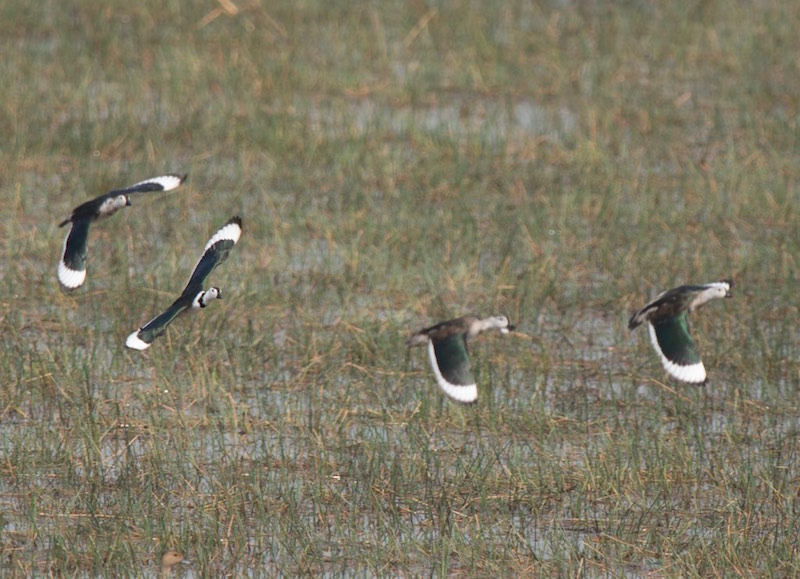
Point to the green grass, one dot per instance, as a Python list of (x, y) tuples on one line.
[(396, 165)]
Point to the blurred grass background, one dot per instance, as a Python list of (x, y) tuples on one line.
[(397, 164)]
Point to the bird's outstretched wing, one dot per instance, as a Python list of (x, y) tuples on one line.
[(452, 368), (162, 183), (144, 336), (215, 252), (676, 349), (72, 266)]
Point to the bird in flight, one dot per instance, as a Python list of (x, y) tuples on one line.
[(667, 317), (193, 295), (447, 349), (72, 267)]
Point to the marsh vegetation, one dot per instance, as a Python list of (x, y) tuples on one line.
[(398, 164)]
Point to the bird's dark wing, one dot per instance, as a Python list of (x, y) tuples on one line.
[(162, 183), (72, 267), (453, 361), (674, 340), (144, 336), (215, 252), (452, 367), (677, 349)]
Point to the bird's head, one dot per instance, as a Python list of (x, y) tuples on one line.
[(212, 293)]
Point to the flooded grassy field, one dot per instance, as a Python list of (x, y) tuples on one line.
[(396, 165)]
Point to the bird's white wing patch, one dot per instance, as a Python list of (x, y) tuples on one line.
[(461, 393), (135, 342), (69, 278), (694, 373), (230, 231), (167, 182)]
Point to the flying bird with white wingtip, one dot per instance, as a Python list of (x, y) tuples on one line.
[(449, 357), (667, 318), (72, 266), (193, 296)]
